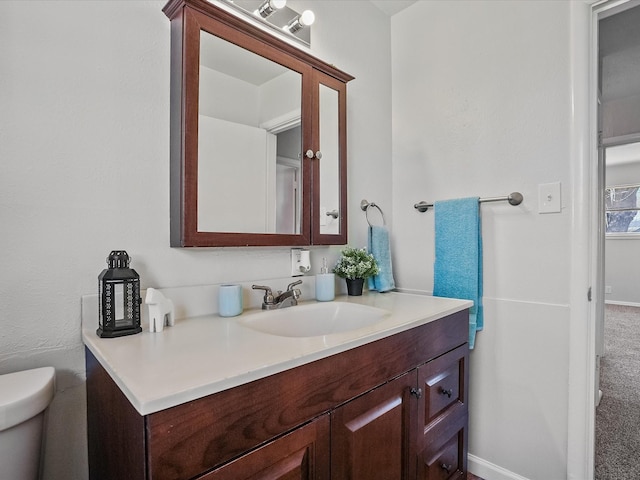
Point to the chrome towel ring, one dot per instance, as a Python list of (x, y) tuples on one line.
[(364, 205)]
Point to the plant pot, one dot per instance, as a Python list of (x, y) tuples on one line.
[(354, 286)]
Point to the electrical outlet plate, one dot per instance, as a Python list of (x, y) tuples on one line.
[(295, 262), (300, 262)]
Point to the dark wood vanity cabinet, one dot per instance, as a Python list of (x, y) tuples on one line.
[(395, 408), (413, 426)]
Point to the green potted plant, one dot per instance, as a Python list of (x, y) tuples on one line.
[(355, 265)]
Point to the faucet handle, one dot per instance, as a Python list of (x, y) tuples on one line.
[(268, 294), (291, 285)]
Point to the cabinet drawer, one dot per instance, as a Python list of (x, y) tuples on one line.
[(442, 390), (443, 381), (447, 462)]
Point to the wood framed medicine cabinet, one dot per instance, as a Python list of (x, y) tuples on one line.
[(258, 135)]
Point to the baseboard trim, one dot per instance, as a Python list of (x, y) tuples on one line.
[(490, 471), (624, 304)]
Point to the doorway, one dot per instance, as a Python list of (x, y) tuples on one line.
[(619, 181)]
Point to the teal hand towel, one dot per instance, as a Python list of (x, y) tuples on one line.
[(458, 261), (379, 247)]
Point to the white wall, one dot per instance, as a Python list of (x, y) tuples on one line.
[(235, 161), (228, 98), (481, 106), (621, 272), (84, 143)]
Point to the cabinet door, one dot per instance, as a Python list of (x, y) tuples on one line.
[(442, 416), (300, 455), (370, 436), (329, 162)]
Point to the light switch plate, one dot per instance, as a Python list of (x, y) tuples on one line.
[(549, 198)]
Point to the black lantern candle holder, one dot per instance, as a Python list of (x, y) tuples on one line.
[(119, 298)]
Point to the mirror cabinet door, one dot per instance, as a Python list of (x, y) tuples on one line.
[(329, 170), (244, 178), (244, 105), (249, 142)]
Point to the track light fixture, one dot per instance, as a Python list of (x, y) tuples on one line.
[(277, 16), (269, 6), (305, 19)]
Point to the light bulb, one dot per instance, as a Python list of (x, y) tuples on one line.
[(307, 18), (269, 6)]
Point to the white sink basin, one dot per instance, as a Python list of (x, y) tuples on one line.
[(314, 319)]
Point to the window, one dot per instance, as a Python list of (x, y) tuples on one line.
[(622, 209)]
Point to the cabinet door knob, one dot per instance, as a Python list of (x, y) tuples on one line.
[(416, 392), (447, 392), (309, 154), (446, 468)]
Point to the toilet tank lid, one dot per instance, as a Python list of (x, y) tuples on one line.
[(25, 394)]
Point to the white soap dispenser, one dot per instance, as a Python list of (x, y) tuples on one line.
[(325, 284)]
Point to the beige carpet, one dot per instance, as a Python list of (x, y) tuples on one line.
[(618, 415)]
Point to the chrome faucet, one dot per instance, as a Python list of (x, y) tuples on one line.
[(282, 299)]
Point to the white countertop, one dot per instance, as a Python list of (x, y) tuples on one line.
[(203, 355)]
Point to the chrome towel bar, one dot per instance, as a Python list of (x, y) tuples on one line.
[(514, 198)]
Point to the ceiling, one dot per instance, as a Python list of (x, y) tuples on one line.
[(391, 7), (234, 61)]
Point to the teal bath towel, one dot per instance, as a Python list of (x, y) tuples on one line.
[(380, 248), (458, 262)]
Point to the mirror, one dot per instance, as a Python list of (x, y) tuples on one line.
[(249, 141), (258, 135), (330, 162)]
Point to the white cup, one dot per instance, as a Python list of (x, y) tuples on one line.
[(230, 300)]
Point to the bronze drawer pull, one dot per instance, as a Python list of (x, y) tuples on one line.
[(446, 468), (446, 392), (416, 392)]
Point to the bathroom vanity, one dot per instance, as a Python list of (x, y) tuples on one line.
[(212, 398)]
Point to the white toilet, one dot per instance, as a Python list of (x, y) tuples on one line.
[(24, 397)]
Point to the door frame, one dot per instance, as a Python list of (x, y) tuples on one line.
[(586, 276)]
